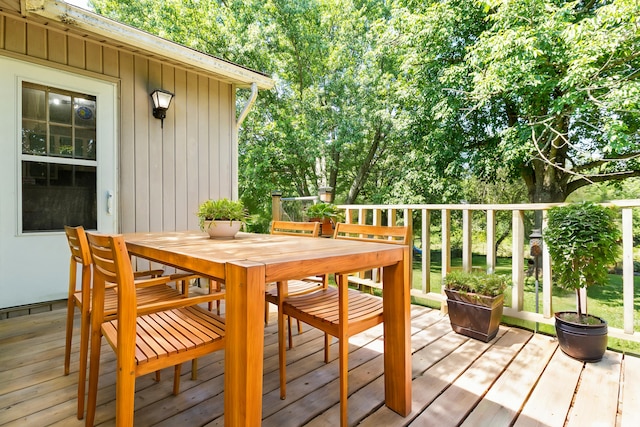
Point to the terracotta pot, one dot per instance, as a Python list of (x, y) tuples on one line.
[(326, 226), (582, 342), (476, 316)]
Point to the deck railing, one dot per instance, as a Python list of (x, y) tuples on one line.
[(409, 214), (421, 216)]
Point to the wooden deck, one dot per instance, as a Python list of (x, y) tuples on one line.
[(519, 379)]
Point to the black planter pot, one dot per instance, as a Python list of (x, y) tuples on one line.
[(475, 316), (583, 342)]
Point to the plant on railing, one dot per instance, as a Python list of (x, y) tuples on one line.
[(326, 213), (324, 210), (583, 241)]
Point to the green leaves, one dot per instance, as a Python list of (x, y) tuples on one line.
[(490, 285), (583, 242)]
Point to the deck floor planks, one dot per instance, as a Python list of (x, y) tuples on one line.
[(630, 394), (550, 401), (33, 390), (371, 396), (599, 384), (452, 406), (428, 386), (500, 406)]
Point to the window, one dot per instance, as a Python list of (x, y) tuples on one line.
[(58, 159)]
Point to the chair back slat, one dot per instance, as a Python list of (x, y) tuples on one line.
[(292, 228), (398, 235), (101, 252), (78, 245)]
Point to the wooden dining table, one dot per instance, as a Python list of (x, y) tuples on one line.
[(249, 261)]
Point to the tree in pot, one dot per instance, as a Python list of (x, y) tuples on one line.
[(325, 213), (583, 241), (475, 302), (221, 218)]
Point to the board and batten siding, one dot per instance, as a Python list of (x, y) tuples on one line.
[(164, 173)]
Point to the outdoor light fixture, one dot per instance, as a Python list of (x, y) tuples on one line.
[(325, 193), (161, 101)]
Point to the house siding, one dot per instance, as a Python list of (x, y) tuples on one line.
[(164, 173)]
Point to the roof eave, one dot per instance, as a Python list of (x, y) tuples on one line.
[(92, 23)]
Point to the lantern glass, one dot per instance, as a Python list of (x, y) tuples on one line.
[(161, 99)]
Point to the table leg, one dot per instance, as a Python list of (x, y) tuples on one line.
[(244, 347), (397, 336)]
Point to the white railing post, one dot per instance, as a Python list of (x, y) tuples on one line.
[(377, 216), (517, 261), (491, 241), (627, 269), (426, 251), (445, 252), (467, 261), (391, 216)]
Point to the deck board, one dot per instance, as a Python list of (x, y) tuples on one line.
[(518, 377), (502, 403), (551, 400), (600, 384), (630, 393)]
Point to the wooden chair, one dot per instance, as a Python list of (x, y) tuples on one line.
[(146, 337), (295, 287), (340, 312), (81, 298)]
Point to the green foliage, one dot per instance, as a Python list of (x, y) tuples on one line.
[(221, 209), (583, 242), (490, 285), (325, 210), (401, 102)]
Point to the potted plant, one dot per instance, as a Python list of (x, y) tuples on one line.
[(583, 241), (221, 218), (475, 302), (325, 213)]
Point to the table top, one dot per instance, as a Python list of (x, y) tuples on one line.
[(284, 257)]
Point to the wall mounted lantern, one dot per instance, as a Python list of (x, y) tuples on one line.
[(325, 193), (161, 101)]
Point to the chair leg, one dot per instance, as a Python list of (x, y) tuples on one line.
[(282, 356), (194, 369), (94, 373), (176, 379), (67, 346), (327, 342), (158, 376), (289, 329), (266, 313), (299, 326), (344, 373), (85, 327)]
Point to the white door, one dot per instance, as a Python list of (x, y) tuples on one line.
[(57, 167)]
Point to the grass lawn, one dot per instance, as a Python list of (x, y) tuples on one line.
[(604, 301)]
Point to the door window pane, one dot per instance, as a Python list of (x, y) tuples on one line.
[(58, 125), (55, 195)]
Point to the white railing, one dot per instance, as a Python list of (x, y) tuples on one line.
[(404, 214)]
